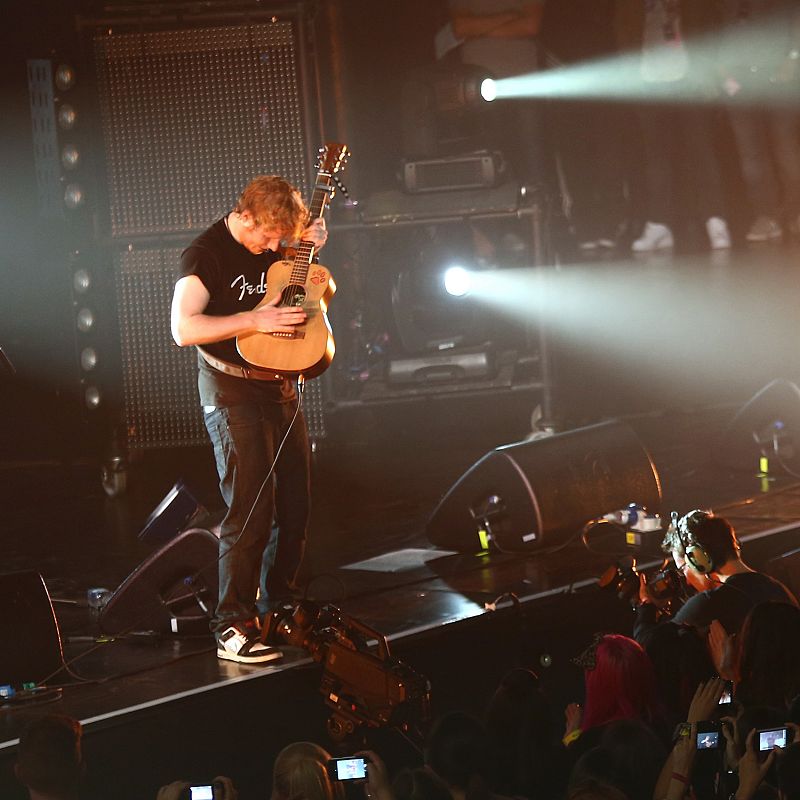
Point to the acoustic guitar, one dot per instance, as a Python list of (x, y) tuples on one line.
[(309, 348)]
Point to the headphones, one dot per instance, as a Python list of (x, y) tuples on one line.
[(696, 554)]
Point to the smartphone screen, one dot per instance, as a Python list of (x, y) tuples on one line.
[(775, 737), (348, 769), (205, 792), (707, 740)]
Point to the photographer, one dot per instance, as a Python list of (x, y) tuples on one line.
[(706, 552)]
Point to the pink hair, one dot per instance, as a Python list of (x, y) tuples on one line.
[(622, 685)]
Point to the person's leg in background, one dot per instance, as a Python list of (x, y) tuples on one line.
[(748, 124), (659, 136), (701, 164)]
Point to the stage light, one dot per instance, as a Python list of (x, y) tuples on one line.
[(489, 90), (92, 397), (88, 359), (65, 77), (457, 281), (67, 117), (81, 281), (73, 195), (85, 320), (70, 156), (455, 90)]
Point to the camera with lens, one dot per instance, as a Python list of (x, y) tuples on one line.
[(623, 579), (362, 682)]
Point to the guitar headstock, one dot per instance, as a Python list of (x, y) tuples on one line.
[(332, 158)]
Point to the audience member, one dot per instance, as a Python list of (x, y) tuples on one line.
[(222, 788), (378, 785), (528, 758), (592, 789), (788, 770), (49, 760), (620, 685), (752, 769), (419, 784), (677, 773), (300, 773), (458, 751), (681, 661), (629, 758), (768, 670)]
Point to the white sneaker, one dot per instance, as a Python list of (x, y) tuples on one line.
[(655, 237), (764, 229), (718, 235), (235, 644)]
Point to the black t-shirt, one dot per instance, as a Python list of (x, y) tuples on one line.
[(236, 280), (731, 602)]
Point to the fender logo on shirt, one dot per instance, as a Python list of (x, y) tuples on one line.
[(248, 288)]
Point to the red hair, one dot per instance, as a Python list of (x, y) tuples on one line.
[(622, 684)]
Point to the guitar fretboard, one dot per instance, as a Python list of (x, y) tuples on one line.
[(305, 250)]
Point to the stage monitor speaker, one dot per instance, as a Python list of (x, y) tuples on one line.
[(768, 424), (534, 494), (31, 648), (174, 513), (160, 595)]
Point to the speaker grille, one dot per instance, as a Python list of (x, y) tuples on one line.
[(159, 378), (189, 116)]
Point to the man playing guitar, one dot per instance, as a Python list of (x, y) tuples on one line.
[(249, 411)]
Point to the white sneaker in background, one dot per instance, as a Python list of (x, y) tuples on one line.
[(655, 237), (719, 236), (764, 229)]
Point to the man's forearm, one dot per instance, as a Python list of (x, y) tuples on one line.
[(205, 329)]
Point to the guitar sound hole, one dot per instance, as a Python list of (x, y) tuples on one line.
[(293, 295)]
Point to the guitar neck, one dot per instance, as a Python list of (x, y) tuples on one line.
[(305, 250)]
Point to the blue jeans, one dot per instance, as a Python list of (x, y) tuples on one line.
[(245, 439), (767, 141)]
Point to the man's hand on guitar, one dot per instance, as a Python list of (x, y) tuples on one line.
[(272, 318), (316, 233)]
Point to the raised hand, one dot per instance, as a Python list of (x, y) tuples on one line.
[(705, 700)]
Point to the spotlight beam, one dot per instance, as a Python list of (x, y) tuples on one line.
[(619, 77)]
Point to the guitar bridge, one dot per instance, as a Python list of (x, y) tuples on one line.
[(289, 335)]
